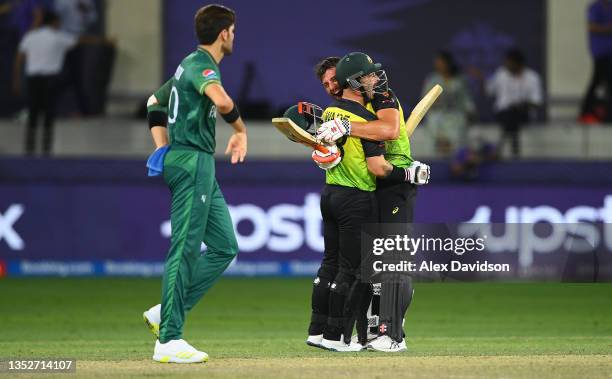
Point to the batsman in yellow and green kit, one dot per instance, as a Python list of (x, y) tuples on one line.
[(199, 212)]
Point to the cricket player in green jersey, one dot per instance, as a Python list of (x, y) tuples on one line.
[(188, 104)]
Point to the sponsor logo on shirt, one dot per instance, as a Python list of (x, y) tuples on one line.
[(209, 74)]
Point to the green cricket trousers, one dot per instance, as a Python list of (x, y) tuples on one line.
[(198, 214)]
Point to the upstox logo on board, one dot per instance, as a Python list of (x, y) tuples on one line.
[(544, 229), (282, 228), (288, 227)]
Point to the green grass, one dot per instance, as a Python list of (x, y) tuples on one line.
[(100, 319)]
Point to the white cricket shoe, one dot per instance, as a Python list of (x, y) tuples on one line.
[(314, 340), (386, 344), (340, 346), (177, 351), (152, 318), (370, 337)]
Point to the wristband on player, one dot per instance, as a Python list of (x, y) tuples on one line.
[(232, 115), (347, 125), (398, 175), (157, 118)]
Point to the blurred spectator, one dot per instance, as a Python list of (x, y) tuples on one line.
[(600, 42), (517, 91), (43, 51), (448, 118), (16, 18), (76, 15)]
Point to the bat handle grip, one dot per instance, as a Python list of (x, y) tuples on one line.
[(321, 149)]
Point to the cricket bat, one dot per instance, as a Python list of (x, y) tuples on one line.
[(296, 134), (421, 109)]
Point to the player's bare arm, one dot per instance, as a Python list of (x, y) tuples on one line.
[(378, 166), (157, 114), (372, 88), (237, 144), (386, 128), (417, 173), (159, 131)]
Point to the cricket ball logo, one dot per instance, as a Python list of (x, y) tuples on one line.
[(382, 329)]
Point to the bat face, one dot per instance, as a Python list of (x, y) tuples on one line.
[(296, 134), (421, 108)]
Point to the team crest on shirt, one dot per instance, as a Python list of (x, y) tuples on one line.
[(209, 74)]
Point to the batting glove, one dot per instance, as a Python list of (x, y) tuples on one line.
[(418, 173), (331, 131), (327, 160)]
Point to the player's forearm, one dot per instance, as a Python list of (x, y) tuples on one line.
[(379, 167), (229, 111), (160, 136), (239, 126), (378, 130), (384, 170), (225, 106), (157, 118), (386, 128)]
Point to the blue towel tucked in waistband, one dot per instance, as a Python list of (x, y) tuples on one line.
[(155, 163)]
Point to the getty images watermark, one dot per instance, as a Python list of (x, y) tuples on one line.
[(491, 251), (404, 247)]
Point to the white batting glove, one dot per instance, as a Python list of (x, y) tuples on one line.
[(327, 160), (331, 131), (418, 173)]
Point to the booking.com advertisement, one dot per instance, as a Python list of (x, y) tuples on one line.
[(547, 232)]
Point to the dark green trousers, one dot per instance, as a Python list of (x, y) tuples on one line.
[(198, 214)]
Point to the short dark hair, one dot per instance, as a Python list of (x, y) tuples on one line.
[(515, 55), (449, 59), (324, 65), (210, 20), (50, 17)]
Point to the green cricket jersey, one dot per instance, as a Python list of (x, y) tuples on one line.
[(352, 171), (192, 116), (397, 150)]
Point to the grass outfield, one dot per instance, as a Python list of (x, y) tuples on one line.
[(256, 328)]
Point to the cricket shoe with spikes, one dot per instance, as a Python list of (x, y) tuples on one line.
[(178, 351), (386, 344), (315, 340), (152, 319), (340, 346)]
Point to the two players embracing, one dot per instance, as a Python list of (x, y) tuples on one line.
[(370, 178)]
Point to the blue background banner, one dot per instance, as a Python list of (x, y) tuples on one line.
[(74, 215), (279, 42)]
